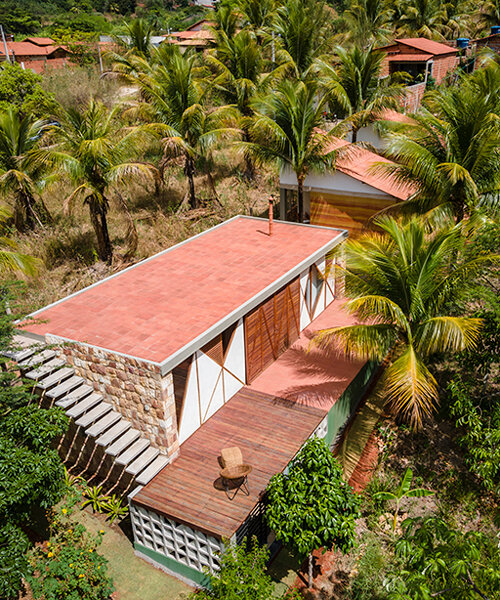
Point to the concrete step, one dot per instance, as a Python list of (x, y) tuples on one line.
[(153, 469), (37, 359), (84, 405), (114, 433), (46, 369), (132, 452), (55, 378), (75, 396), (104, 423), (96, 413), (123, 442), (143, 461), (65, 387), (23, 348)]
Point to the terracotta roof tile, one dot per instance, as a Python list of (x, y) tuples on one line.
[(427, 46)]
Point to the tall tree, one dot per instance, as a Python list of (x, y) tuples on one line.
[(356, 91), (22, 173), (175, 109), (368, 21), (285, 131), (94, 150), (134, 36), (450, 150), (304, 33), (421, 18), (11, 260), (399, 285)]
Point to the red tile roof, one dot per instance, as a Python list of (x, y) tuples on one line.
[(158, 306), (39, 41), (409, 57), (358, 162), (21, 49), (427, 46)]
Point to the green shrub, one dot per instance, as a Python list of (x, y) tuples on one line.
[(369, 572)]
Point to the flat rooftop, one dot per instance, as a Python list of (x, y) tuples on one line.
[(269, 420), (164, 306)]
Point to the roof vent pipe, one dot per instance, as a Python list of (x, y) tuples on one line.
[(271, 215)]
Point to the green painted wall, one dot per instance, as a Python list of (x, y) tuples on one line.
[(183, 570), (346, 404)]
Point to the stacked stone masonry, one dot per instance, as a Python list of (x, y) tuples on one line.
[(135, 388)]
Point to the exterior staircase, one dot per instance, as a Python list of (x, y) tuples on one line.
[(94, 422)]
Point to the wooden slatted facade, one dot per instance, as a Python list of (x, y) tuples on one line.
[(271, 328), (347, 212)]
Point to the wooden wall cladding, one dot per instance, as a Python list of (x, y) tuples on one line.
[(347, 212), (271, 328)]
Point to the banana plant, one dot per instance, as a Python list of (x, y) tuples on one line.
[(402, 492)]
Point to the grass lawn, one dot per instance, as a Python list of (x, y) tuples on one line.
[(134, 578)]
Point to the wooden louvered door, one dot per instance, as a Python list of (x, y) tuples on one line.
[(271, 328)]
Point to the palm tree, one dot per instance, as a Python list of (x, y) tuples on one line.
[(489, 13), (450, 150), (355, 88), (135, 37), (368, 21), (238, 65), (304, 33), (93, 149), (400, 284), (174, 107), (11, 260), (285, 131), (421, 18), (22, 173), (256, 15)]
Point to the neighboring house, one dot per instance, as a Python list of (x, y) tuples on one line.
[(38, 55), (419, 57), (198, 36), (202, 347), (491, 41), (349, 196)]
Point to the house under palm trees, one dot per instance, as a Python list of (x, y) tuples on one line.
[(419, 57), (202, 347), (348, 196)]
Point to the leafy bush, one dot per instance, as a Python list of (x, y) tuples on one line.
[(367, 577), (67, 567), (21, 88)]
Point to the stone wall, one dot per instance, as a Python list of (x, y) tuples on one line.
[(135, 388)]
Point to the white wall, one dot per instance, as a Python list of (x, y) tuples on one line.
[(209, 385), (326, 292), (335, 182)]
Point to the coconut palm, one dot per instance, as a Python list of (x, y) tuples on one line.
[(22, 173), (238, 65), (368, 21), (304, 33), (355, 89), (134, 36), (400, 283), (256, 15), (174, 107), (489, 13), (285, 132), (450, 150), (11, 260), (93, 148), (420, 18)]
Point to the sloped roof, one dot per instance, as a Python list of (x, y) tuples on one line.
[(409, 57), (426, 46), (40, 41), (166, 307), (28, 49)]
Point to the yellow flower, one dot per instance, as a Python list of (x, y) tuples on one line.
[(70, 565), (81, 575), (91, 551), (50, 554), (70, 531), (101, 530), (64, 511), (98, 567), (48, 544)]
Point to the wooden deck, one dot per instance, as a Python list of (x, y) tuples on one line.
[(269, 430)]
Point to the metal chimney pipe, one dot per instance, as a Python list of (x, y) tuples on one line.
[(271, 215)]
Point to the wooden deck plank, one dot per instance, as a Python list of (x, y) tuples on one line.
[(269, 431)]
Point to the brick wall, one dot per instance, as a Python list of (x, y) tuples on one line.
[(135, 388), (442, 65), (413, 97)]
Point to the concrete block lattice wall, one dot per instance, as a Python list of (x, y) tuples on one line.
[(178, 543), (136, 389)]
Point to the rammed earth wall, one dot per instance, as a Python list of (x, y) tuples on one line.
[(136, 389)]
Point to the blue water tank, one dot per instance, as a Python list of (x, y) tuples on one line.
[(495, 29), (462, 42)]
